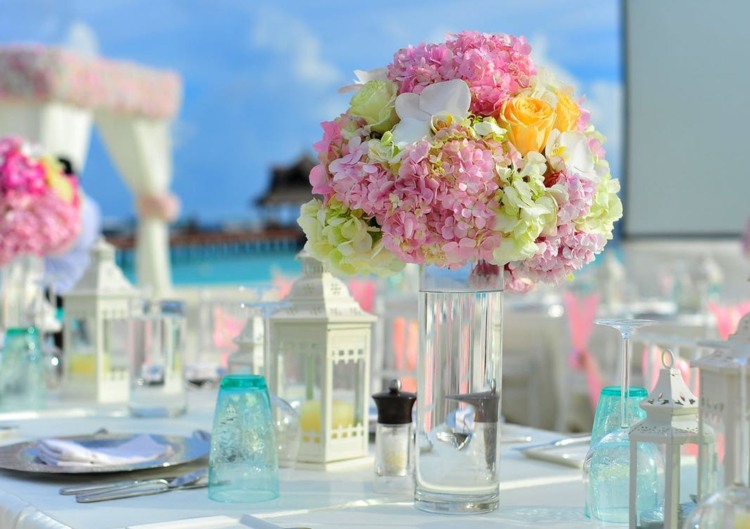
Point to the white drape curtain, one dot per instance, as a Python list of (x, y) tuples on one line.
[(61, 129), (141, 150)]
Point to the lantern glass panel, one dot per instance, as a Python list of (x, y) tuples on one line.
[(299, 372), (649, 499), (81, 351), (719, 415), (298, 375), (348, 378), (115, 340)]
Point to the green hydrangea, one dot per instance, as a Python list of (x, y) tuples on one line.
[(487, 128), (385, 152), (344, 241), (605, 210), (526, 210)]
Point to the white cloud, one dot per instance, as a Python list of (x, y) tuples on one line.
[(82, 38), (296, 46), (539, 49), (604, 99)]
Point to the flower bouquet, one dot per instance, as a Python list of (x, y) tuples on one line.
[(459, 152), (39, 203)]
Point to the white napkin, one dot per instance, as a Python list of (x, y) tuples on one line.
[(61, 452)]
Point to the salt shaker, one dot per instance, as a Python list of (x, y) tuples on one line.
[(394, 461)]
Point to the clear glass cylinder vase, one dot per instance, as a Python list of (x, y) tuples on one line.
[(21, 286), (458, 388)]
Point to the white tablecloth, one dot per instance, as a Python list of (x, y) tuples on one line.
[(533, 493)]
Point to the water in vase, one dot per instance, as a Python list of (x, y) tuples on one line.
[(458, 405)]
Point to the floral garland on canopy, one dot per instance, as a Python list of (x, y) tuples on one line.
[(39, 203), (457, 152), (39, 73)]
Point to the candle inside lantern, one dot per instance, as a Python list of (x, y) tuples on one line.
[(309, 415), (742, 520), (82, 364)]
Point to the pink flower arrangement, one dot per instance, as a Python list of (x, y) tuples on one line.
[(39, 204), (459, 152)]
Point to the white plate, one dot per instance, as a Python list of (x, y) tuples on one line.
[(23, 456)]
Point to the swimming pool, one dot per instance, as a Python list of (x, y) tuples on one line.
[(248, 268)]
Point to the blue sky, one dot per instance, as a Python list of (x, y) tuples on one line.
[(260, 75)]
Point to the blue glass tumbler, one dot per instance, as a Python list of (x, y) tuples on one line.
[(607, 414), (607, 420), (243, 462)]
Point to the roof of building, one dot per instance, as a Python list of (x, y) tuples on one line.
[(290, 184)]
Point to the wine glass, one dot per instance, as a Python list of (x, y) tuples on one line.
[(249, 358), (606, 471), (730, 506), (264, 303)]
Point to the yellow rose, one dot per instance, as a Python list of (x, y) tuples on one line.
[(57, 181), (528, 121), (566, 113)]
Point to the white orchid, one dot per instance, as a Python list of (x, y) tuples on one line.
[(363, 77), (572, 148), (439, 103)]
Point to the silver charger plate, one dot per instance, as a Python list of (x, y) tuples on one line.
[(23, 456)]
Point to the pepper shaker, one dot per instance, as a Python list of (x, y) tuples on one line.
[(394, 461)]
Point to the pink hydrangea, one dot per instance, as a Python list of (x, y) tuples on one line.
[(332, 147), (34, 218), (495, 66), (354, 177), (580, 196), (36, 225), (441, 203), (560, 255), (18, 171), (597, 149)]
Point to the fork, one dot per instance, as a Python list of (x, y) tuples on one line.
[(191, 480)]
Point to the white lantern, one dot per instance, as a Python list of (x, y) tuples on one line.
[(95, 362), (670, 430), (319, 361), (720, 412)]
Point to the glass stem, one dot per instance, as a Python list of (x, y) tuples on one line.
[(625, 382)]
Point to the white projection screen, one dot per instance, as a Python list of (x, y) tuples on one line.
[(687, 118)]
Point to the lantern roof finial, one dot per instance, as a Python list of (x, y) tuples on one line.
[(102, 275), (318, 295), (670, 394)]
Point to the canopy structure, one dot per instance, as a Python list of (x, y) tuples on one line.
[(54, 97), (290, 187)]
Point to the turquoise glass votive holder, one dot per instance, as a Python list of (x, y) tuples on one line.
[(243, 461)]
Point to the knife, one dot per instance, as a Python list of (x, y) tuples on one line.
[(565, 441), (191, 480), (101, 487)]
